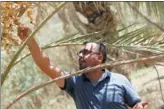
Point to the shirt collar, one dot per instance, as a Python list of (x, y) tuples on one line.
[(105, 75)]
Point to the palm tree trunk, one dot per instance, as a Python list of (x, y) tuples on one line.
[(101, 18)]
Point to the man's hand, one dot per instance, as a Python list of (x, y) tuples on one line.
[(141, 105), (23, 32)]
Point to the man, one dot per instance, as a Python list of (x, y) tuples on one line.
[(99, 89)]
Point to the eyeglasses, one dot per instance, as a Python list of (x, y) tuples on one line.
[(86, 52)]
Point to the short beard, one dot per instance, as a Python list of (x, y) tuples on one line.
[(82, 67)]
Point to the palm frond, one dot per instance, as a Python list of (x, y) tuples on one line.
[(154, 9), (24, 44), (102, 66)]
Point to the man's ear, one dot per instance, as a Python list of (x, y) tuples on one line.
[(100, 57)]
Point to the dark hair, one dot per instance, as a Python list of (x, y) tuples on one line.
[(102, 49)]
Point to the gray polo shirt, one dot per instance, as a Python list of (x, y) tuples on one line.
[(111, 91)]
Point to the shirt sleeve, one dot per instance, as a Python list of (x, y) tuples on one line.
[(69, 84), (131, 96)]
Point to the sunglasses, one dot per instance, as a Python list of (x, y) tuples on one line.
[(86, 52)]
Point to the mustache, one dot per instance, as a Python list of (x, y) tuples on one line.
[(82, 67), (81, 60), (82, 64)]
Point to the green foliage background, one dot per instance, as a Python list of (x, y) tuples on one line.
[(135, 36)]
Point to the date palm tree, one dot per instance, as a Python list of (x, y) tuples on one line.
[(129, 30), (126, 32)]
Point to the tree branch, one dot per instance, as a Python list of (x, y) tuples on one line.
[(74, 44), (61, 42), (156, 58), (159, 82), (148, 20), (4, 75), (47, 47), (159, 64)]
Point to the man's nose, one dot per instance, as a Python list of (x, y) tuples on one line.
[(81, 55)]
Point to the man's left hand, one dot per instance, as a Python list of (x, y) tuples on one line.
[(140, 105)]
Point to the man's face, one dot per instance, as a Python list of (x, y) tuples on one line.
[(89, 56)]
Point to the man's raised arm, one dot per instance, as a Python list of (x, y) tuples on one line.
[(40, 58)]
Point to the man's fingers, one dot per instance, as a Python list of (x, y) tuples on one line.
[(23, 31), (145, 104), (145, 107), (138, 107), (142, 105)]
